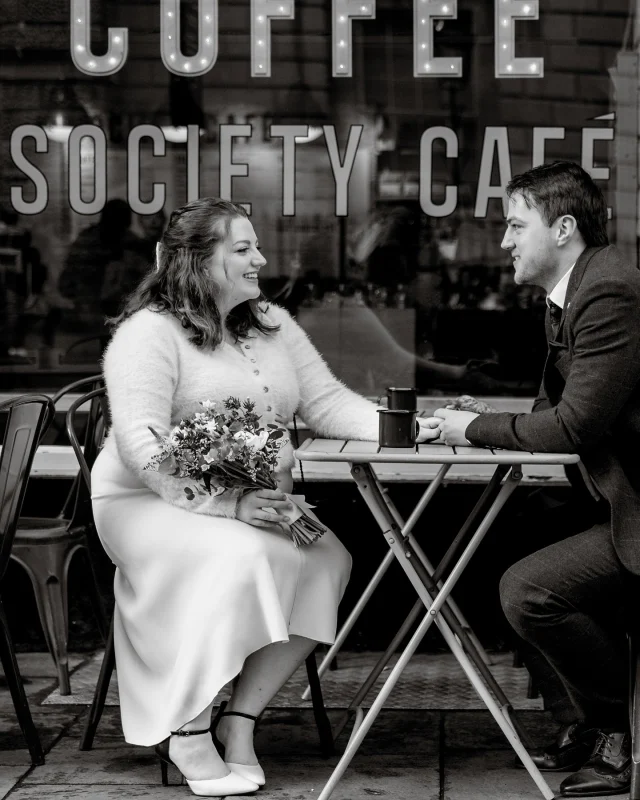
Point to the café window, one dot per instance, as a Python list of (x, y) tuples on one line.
[(372, 141)]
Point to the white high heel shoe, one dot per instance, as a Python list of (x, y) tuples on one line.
[(252, 772), (230, 784)]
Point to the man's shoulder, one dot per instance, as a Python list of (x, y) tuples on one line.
[(610, 264)]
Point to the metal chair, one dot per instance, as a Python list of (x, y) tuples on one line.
[(327, 747), (44, 547), (634, 712), (27, 419)]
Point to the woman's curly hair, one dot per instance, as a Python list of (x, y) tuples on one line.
[(180, 283)]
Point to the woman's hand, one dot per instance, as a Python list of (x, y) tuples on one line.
[(429, 429), (255, 507)]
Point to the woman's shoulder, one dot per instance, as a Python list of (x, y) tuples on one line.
[(271, 314), (146, 327), (149, 321)]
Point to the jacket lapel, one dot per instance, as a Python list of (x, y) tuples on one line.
[(574, 282)]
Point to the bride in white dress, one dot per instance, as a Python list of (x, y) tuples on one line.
[(211, 588)]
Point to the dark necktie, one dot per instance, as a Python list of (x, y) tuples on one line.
[(555, 315)]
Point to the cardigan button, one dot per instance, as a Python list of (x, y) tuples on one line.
[(265, 388), (269, 408), (256, 371), (253, 360), (247, 347)]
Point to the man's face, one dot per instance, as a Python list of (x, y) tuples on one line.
[(531, 243)]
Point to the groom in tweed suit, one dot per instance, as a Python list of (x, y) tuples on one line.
[(573, 601)]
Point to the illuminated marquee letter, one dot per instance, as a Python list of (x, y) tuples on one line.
[(426, 172), (116, 55), (159, 191), (39, 202), (77, 149), (262, 12), (343, 12), (424, 62), (507, 65), (207, 53), (228, 167)]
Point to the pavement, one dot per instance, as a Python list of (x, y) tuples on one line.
[(425, 754)]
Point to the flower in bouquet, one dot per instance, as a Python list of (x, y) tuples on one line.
[(222, 449)]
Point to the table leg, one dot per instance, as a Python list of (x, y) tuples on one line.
[(435, 605), (406, 529), (366, 721), (373, 583)]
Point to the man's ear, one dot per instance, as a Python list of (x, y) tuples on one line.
[(567, 228)]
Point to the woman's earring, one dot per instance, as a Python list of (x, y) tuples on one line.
[(158, 246)]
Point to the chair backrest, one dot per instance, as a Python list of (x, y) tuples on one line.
[(86, 384), (27, 418), (83, 384), (97, 425)]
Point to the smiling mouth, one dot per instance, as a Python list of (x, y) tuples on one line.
[(251, 276)]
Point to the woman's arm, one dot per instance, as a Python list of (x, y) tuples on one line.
[(326, 405), (141, 374)]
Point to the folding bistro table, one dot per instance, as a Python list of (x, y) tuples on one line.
[(433, 585)]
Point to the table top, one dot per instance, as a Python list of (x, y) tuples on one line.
[(355, 452)]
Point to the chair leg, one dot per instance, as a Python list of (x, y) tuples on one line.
[(95, 597), (327, 745), (100, 694), (47, 567), (18, 695), (635, 718)]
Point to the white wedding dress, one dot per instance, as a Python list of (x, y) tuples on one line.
[(196, 590)]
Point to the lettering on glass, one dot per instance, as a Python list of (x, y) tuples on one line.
[(262, 12), (81, 53), (343, 11), (173, 58), (425, 64), (507, 65)]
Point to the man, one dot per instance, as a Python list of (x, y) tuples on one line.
[(569, 599)]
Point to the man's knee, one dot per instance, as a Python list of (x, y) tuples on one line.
[(523, 601)]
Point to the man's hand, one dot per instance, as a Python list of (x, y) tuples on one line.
[(429, 429), (453, 425)]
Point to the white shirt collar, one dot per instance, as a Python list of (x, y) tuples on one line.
[(559, 292)]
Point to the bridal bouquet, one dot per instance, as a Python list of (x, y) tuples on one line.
[(227, 449)]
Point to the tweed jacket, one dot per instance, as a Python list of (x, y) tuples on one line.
[(589, 399)]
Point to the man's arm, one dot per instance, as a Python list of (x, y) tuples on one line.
[(604, 370)]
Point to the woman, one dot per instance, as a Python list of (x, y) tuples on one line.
[(211, 588)]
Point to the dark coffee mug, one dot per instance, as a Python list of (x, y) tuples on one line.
[(397, 428), (402, 399)]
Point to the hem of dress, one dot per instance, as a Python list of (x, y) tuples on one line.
[(151, 741)]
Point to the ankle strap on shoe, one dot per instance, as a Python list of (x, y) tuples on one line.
[(189, 733), (237, 714)]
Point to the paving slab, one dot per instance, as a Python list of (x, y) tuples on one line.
[(9, 776), (478, 730), (492, 776), (295, 782)]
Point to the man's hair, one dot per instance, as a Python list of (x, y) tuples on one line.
[(565, 188), (180, 283)]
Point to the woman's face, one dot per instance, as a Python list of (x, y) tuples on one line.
[(235, 265)]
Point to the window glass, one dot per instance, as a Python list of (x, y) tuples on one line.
[(372, 140)]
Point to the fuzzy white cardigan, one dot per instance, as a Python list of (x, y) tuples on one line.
[(155, 377)]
